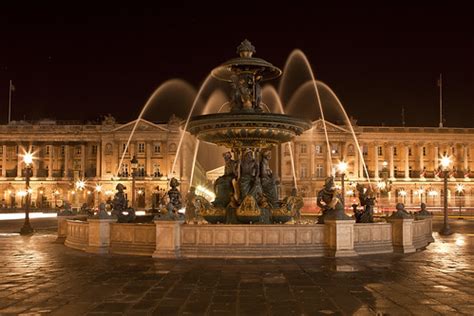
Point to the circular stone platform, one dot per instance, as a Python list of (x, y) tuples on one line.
[(247, 129)]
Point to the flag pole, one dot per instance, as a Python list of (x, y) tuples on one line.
[(440, 100), (10, 102)]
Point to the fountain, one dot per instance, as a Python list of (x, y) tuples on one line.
[(247, 192), (247, 218)]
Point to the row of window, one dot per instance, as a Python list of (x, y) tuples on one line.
[(318, 149), (141, 148)]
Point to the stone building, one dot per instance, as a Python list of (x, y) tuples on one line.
[(66, 152), (402, 162)]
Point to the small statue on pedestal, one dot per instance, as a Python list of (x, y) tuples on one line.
[(329, 200), (120, 207), (423, 213)]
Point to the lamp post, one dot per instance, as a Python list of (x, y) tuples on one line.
[(445, 162), (27, 229), (342, 167), (460, 192), (98, 189), (134, 165)]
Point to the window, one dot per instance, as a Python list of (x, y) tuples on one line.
[(394, 151), (410, 171), (288, 168), (318, 150), (334, 149), (63, 150), (1, 169), (424, 151), (124, 146), (47, 150), (1, 150), (78, 150), (409, 151), (141, 147), (380, 150), (319, 171), (365, 150), (303, 149), (453, 150), (157, 148), (94, 149), (304, 170), (350, 150)]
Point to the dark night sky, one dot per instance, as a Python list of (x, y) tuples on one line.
[(80, 63)]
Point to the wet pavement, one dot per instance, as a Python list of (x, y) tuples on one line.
[(39, 276)]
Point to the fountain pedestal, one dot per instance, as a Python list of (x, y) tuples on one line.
[(340, 237), (402, 234), (168, 239), (99, 235)]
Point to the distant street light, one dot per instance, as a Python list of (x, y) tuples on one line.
[(445, 162), (342, 167), (134, 165), (27, 160)]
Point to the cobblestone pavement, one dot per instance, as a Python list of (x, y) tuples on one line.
[(40, 276)]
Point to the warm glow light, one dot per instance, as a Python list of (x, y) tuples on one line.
[(30, 190), (402, 193), (80, 184), (10, 216), (432, 193), (56, 192), (342, 166), (349, 192), (98, 188), (200, 190), (108, 192), (459, 188), (445, 161), (381, 185), (41, 192), (140, 192), (385, 164), (28, 158), (89, 192)]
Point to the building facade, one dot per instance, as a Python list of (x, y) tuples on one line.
[(400, 163)]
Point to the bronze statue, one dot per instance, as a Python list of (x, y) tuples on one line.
[(400, 212), (190, 215), (120, 207), (329, 200), (269, 185), (422, 213), (224, 186), (367, 200), (249, 182)]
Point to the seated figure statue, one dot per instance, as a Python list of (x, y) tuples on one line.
[(120, 207), (329, 200), (400, 212), (367, 200), (269, 185), (224, 187), (422, 213), (249, 182)]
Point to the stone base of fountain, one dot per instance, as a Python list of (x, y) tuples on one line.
[(175, 239)]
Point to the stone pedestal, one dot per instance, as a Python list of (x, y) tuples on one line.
[(99, 235), (340, 237), (62, 225), (168, 239), (402, 234)]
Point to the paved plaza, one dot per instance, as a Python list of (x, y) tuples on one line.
[(39, 276)]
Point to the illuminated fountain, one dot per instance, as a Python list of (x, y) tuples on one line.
[(247, 192)]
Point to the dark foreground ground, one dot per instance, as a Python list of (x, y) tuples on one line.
[(40, 276)]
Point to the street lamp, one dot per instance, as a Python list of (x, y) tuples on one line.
[(98, 189), (403, 194), (342, 167), (460, 192), (27, 160), (134, 165), (445, 162)]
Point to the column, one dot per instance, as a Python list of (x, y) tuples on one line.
[(421, 157), (390, 162), (356, 162), (83, 160), (18, 164), (362, 173), (98, 164), (436, 156), (376, 161), (149, 170), (4, 160), (66, 160), (407, 162), (50, 162), (312, 151), (465, 158)]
